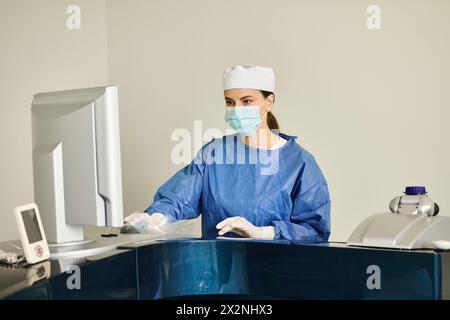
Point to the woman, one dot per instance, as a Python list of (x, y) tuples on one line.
[(289, 200)]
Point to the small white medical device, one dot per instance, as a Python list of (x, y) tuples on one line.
[(412, 223), (32, 236)]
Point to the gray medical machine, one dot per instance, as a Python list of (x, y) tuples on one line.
[(412, 223), (76, 162)]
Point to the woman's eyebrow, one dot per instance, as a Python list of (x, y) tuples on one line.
[(246, 97)]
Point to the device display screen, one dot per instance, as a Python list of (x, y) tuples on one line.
[(31, 226)]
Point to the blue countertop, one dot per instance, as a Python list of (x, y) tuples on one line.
[(236, 268)]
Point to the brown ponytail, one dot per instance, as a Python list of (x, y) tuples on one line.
[(272, 122)]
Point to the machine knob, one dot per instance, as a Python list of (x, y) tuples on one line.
[(415, 190)]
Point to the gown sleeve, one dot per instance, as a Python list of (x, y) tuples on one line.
[(310, 216), (179, 197)]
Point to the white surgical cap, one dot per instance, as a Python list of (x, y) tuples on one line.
[(249, 77)]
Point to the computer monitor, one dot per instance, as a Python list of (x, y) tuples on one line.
[(76, 161)]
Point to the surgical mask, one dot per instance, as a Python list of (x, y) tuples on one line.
[(244, 119)]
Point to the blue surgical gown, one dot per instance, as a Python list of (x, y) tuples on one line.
[(284, 188)]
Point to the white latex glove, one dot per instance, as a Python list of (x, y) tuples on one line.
[(145, 223), (243, 227)]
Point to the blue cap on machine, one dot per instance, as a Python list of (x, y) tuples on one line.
[(415, 190)]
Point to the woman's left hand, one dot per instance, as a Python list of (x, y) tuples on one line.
[(243, 227)]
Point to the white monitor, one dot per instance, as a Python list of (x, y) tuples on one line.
[(76, 161)]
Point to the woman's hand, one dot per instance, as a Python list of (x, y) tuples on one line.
[(243, 227), (142, 222)]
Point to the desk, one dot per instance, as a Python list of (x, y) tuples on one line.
[(248, 269)]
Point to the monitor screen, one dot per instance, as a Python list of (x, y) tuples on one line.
[(31, 226)]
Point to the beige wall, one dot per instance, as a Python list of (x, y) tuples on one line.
[(372, 106), (38, 53)]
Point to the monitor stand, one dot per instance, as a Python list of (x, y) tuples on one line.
[(70, 244), (97, 244)]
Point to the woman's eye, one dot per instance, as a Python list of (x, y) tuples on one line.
[(228, 103), (248, 101)]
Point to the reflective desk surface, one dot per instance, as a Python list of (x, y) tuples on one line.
[(224, 268)]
